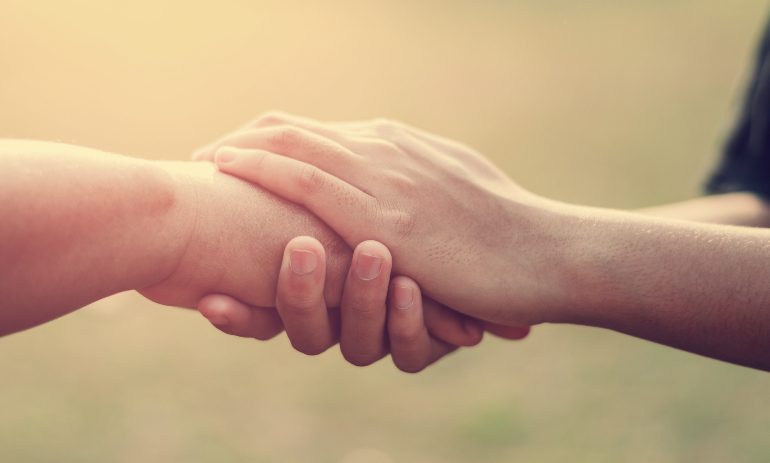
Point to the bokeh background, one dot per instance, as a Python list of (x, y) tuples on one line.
[(614, 103)]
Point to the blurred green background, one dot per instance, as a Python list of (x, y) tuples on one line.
[(610, 103)]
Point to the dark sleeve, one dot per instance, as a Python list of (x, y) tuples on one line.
[(745, 164)]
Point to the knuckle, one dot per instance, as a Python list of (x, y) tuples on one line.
[(302, 307), (403, 221), (383, 122), (404, 335), (360, 359), (410, 361), (387, 127), (271, 117), (381, 210), (203, 154), (264, 335), (286, 138), (378, 121), (471, 341), (366, 308), (383, 147), (404, 338), (310, 180), (403, 185), (311, 349), (411, 366)]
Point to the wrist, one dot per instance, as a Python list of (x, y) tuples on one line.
[(559, 248), (173, 239), (564, 263), (585, 266), (612, 267), (227, 236)]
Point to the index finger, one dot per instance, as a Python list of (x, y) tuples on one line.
[(299, 298)]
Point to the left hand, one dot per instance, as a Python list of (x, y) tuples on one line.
[(472, 238)]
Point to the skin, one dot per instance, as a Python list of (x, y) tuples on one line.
[(80, 225), (744, 209), (477, 242), (378, 315)]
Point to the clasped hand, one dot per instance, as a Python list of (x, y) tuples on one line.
[(420, 195)]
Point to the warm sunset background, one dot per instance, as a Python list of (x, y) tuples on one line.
[(610, 103)]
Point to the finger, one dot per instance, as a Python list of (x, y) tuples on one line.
[(338, 159), (450, 326), (337, 131), (232, 316), (296, 143), (334, 201), (411, 346), (387, 128), (411, 139), (362, 340), (207, 152), (299, 298), (349, 139), (508, 332), (204, 153), (352, 138)]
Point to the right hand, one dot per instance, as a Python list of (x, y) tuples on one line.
[(378, 315)]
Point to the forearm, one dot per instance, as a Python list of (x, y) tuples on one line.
[(239, 236), (746, 209), (79, 225), (698, 287)]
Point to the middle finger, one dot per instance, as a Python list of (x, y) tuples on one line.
[(363, 340)]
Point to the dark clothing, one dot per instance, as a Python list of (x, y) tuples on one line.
[(745, 164)]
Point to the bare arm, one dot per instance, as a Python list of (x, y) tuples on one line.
[(746, 209), (79, 224), (477, 242), (698, 287)]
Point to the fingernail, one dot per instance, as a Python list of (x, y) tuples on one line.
[(218, 320), (226, 155), (303, 262), (368, 267), (403, 297)]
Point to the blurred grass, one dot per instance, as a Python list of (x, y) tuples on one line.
[(610, 103)]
